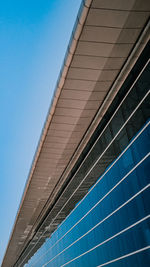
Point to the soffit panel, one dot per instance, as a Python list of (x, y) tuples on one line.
[(136, 5), (115, 4), (116, 18), (83, 74), (103, 49), (109, 35), (79, 84), (99, 63)]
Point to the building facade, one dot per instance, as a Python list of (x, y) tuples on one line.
[(86, 202), (110, 225)]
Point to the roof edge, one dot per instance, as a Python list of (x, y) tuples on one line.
[(77, 29)]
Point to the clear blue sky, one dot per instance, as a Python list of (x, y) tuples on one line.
[(34, 35)]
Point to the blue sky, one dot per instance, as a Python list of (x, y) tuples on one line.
[(34, 36)]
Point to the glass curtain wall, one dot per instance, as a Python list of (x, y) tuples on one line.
[(110, 224)]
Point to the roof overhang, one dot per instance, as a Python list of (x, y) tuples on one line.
[(106, 41)]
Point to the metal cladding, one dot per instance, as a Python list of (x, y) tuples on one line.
[(106, 41)]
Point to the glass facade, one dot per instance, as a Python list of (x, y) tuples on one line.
[(113, 218), (110, 225)]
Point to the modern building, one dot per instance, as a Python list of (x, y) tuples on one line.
[(86, 201)]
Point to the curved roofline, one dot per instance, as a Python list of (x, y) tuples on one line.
[(77, 29)]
